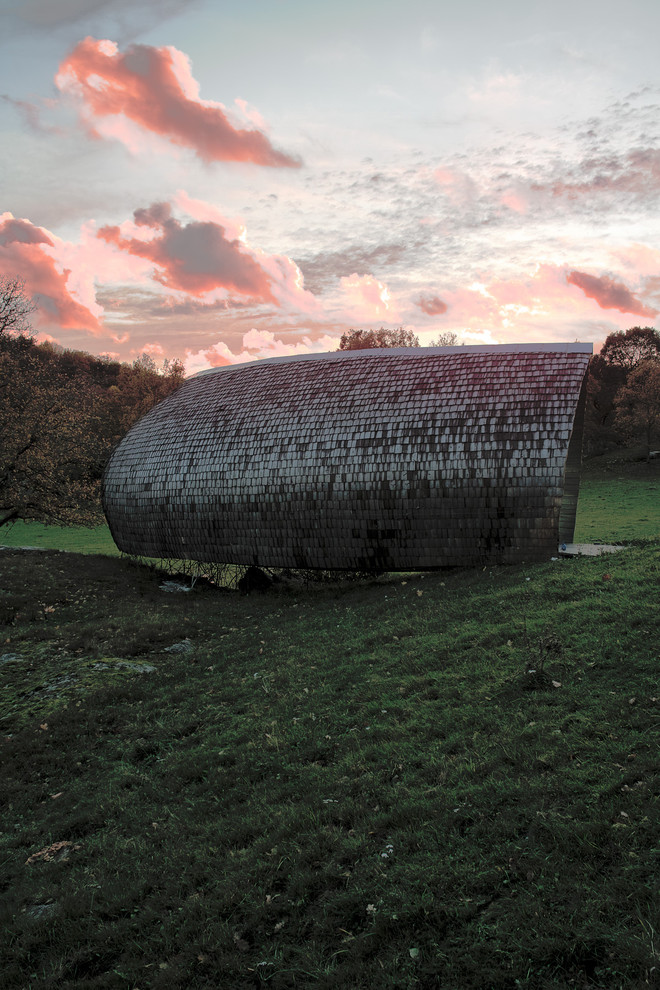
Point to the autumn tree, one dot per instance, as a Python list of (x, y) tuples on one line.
[(15, 306), (61, 413), (46, 423), (626, 348), (638, 402), (48, 437), (608, 373), (359, 340), (138, 387)]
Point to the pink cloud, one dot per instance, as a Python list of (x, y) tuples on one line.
[(609, 294), (432, 305), (514, 199), (218, 355), (531, 307), (92, 260), (154, 89), (199, 209), (264, 343), (365, 298), (207, 258), (154, 349), (458, 187), (610, 177), (32, 253), (640, 259), (256, 345), (534, 307), (251, 113), (637, 174), (287, 279), (472, 305), (288, 284), (196, 257)]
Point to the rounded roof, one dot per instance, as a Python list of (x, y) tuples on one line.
[(406, 457)]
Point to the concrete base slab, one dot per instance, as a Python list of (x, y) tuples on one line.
[(587, 549)]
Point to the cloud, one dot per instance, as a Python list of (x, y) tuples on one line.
[(532, 306), (205, 262), (31, 113), (32, 253), (609, 294), (131, 16), (153, 90), (196, 257), (199, 209), (639, 259), (322, 269), (154, 349), (637, 173), (256, 345), (595, 181), (365, 298), (431, 305), (457, 186)]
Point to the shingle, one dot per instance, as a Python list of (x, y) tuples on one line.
[(406, 458)]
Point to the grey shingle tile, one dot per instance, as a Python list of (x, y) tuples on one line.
[(373, 459)]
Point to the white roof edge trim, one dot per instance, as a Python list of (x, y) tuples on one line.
[(407, 352)]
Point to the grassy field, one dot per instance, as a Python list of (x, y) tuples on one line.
[(618, 502), (76, 539), (449, 780)]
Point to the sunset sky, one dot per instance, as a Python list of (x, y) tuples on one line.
[(219, 181)]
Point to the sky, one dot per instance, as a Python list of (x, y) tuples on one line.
[(222, 181)]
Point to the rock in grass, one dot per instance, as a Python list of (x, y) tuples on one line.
[(183, 647), (174, 586)]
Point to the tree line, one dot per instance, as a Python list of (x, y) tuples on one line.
[(623, 391), (61, 414), (359, 340)]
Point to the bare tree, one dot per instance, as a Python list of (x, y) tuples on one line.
[(445, 339), (15, 306)]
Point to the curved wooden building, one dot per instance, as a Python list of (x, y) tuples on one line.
[(364, 460)]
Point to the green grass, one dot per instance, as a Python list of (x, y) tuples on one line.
[(77, 539), (357, 785), (618, 503)]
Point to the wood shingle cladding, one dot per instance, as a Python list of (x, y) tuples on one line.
[(362, 460)]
